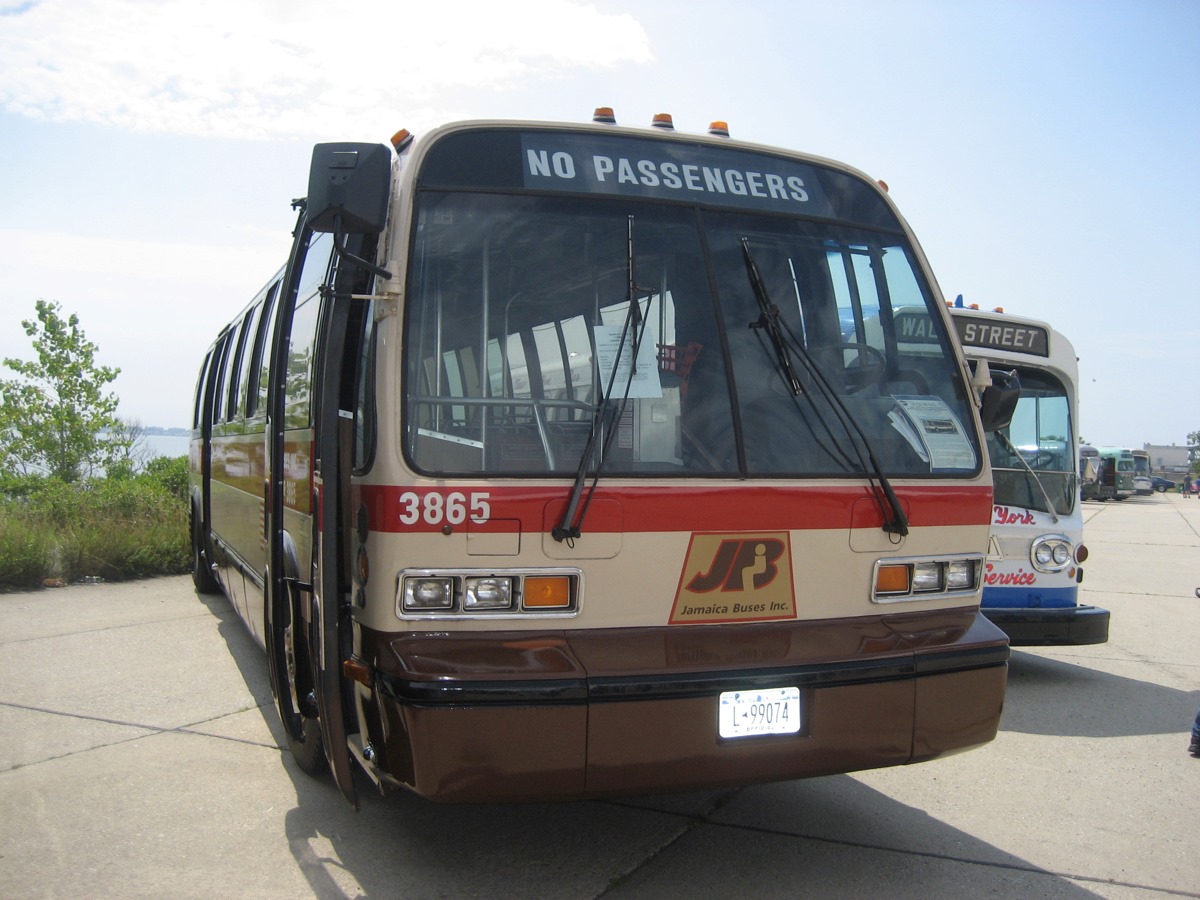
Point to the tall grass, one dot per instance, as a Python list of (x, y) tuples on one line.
[(116, 528)]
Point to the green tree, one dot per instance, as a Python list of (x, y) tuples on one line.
[(53, 413)]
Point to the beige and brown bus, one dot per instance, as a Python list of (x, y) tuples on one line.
[(565, 461)]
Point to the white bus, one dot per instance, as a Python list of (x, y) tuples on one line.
[(1035, 563), (547, 468)]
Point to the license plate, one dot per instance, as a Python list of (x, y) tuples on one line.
[(753, 713)]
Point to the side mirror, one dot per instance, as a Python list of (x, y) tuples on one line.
[(349, 182), (999, 400)]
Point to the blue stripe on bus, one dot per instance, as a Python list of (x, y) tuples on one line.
[(1032, 597)]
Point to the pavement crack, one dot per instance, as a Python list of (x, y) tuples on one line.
[(193, 728)]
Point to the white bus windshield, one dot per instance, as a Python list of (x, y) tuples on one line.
[(1040, 432), (519, 318)]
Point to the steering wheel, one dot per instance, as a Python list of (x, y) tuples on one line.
[(867, 368)]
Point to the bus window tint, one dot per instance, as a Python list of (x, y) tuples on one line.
[(1040, 432), (220, 360), (302, 336), (837, 308), (257, 374), (521, 324), (298, 387)]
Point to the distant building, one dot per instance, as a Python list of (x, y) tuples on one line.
[(1173, 460)]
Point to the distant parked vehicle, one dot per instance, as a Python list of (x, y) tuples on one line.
[(1162, 485)]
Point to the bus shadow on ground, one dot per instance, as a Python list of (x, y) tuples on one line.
[(1052, 697), (829, 836)]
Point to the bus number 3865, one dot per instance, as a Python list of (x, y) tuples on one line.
[(451, 509)]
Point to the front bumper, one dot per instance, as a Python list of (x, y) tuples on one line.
[(1051, 626), (568, 715)]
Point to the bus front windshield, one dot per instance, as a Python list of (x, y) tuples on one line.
[(1040, 434), (544, 334)]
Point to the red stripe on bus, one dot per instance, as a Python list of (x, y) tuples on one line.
[(660, 508)]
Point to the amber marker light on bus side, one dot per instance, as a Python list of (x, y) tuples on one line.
[(892, 579), (357, 670), (547, 591)]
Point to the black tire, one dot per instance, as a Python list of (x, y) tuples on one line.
[(293, 682), (202, 576)]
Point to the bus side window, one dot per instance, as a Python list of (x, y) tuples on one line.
[(302, 338), (235, 405), (257, 375), (298, 386), (201, 391), (226, 400), (220, 356)]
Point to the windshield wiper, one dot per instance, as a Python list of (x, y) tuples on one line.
[(605, 419), (769, 321), (1003, 438), (785, 345)]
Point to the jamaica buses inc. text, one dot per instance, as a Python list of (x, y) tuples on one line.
[(607, 170)]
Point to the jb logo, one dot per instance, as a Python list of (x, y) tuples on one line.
[(740, 566)]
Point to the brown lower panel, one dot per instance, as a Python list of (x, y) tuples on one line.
[(501, 753), (661, 745), (957, 711)]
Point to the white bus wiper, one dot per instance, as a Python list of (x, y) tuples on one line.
[(1003, 438), (605, 420), (785, 345)]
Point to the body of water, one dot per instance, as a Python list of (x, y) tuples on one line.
[(166, 444)]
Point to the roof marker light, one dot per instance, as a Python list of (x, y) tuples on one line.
[(402, 139), (664, 121), (604, 115), (882, 185), (719, 128)]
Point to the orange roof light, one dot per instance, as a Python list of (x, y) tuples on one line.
[(402, 139), (663, 120), (882, 185), (604, 115), (719, 128)]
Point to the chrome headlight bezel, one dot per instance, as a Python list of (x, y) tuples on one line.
[(1052, 553)]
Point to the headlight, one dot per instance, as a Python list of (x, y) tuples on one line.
[(487, 593), (1051, 553), (428, 592), (925, 579), (503, 593)]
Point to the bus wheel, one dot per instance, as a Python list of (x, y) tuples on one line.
[(202, 576), (293, 680)]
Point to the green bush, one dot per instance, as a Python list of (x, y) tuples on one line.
[(115, 529), (26, 552)]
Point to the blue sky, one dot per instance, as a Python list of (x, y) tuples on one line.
[(1043, 152)]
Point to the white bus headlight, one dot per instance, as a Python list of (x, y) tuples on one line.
[(927, 576), (1051, 553), (487, 593), (961, 574), (426, 592)]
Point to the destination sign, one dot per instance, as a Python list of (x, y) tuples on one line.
[(1001, 334), (592, 164)]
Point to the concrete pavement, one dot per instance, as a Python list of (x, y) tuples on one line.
[(140, 757)]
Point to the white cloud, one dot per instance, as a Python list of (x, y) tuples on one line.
[(259, 68)]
